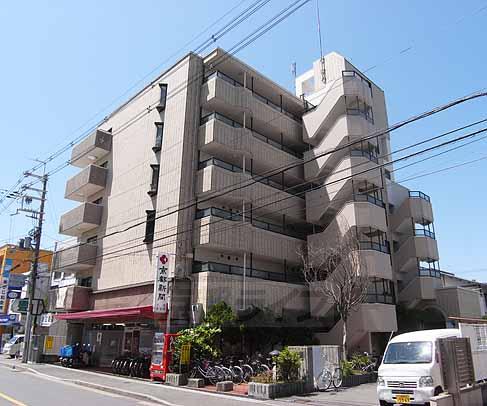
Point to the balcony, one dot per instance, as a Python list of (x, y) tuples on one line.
[(222, 137), (458, 301), (338, 187), (69, 299), (350, 96), (224, 231), (280, 297), (266, 196), (91, 149), (74, 259), (415, 247), (345, 130), (81, 219), (417, 206), (89, 181), (228, 97), (419, 289)]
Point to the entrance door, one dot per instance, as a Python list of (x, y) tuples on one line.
[(131, 341)]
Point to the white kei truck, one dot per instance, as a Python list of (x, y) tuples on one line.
[(410, 372)]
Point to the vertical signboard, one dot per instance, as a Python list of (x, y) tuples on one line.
[(4, 283), (161, 284)]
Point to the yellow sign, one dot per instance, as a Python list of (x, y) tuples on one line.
[(185, 353), (49, 343)]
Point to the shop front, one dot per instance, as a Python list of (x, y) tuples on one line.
[(112, 333)]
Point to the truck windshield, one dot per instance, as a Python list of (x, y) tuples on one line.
[(415, 352), (13, 340)]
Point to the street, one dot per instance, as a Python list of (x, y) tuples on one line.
[(24, 388), (43, 384)]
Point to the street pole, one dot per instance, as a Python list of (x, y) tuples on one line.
[(29, 325)]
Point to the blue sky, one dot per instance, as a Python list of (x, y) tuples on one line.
[(64, 61)]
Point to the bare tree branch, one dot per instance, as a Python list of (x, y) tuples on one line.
[(338, 271)]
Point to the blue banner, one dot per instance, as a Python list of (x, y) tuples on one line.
[(8, 319)]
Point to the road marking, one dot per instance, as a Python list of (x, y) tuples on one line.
[(11, 400)]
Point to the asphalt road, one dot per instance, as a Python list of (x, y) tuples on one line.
[(22, 388)]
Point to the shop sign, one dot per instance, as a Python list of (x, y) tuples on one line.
[(16, 281), (185, 354), (4, 283), (48, 343), (47, 319), (161, 284), (8, 319)]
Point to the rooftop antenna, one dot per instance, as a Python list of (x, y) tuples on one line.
[(322, 59), (293, 72)]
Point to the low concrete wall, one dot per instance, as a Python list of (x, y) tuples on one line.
[(469, 396)]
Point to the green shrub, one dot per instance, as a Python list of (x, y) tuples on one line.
[(288, 363), (360, 361), (347, 368)]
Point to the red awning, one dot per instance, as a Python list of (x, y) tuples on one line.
[(126, 312)]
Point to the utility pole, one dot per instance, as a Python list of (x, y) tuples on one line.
[(29, 325)]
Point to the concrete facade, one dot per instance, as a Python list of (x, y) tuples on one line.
[(211, 125)]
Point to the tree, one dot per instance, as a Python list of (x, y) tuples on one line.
[(336, 270)]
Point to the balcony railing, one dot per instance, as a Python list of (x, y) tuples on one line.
[(421, 232), (263, 225), (366, 154), (255, 134), (347, 74), (419, 195), (359, 108), (376, 246), (289, 277), (428, 272), (258, 96), (363, 197), (298, 192)]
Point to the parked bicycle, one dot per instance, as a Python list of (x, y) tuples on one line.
[(207, 371), (331, 374)]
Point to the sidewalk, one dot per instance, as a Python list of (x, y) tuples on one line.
[(156, 393)]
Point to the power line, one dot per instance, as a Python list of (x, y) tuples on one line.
[(288, 197), (286, 167), (242, 16)]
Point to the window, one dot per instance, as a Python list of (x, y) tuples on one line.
[(149, 226), (162, 101), (86, 282), (154, 181), (98, 201), (159, 134)]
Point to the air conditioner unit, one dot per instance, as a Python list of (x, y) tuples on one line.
[(196, 313)]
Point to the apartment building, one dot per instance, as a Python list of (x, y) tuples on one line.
[(187, 167)]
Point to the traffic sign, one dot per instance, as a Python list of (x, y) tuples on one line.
[(13, 294), (21, 306)]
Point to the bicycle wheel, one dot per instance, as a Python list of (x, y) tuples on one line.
[(337, 378), (215, 374), (227, 373), (263, 368), (248, 372), (324, 380), (238, 374)]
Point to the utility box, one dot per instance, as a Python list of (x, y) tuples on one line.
[(315, 359)]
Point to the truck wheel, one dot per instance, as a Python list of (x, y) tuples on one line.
[(384, 403)]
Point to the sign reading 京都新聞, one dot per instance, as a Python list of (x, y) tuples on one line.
[(161, 284)]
